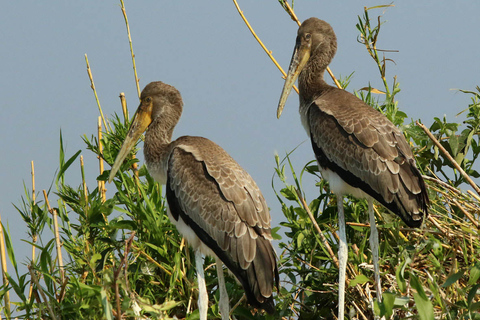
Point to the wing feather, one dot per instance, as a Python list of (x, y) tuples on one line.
[(368, 149), (227, 211)]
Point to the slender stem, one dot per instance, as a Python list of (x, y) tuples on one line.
[(449, 157), (116, 274), (57, 237), (44, 297), (137, 81), (317, 227), (101, 184), (269, 53), (123, 101), (34, 236), (92, 85), (4, 270), (466, 213)]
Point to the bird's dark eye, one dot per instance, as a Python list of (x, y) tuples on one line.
[(308, 36), (148, 99)]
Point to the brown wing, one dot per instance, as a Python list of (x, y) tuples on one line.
[(223, 205), (367, 151)]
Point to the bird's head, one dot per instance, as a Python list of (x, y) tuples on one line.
[(316, 44), (159, 103)]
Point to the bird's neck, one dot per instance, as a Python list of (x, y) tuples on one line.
[(158, 138), (311, 83)]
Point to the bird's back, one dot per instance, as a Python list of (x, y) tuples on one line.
[(215, 197), (368, 152)]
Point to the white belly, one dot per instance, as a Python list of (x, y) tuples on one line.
[(340, 187), (190, 235)]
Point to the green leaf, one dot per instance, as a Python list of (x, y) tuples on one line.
[(67, 164), (8, 244), (474, 274), (387, 304), (107, 306), (401, 301), (417, 285), (424, 307), (423, 304), (275, 234), (471, 294), (453, 278), (399, 273), (288, 193), (359, 279), (95, 258)]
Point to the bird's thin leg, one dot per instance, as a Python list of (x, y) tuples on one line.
[(342, 257), (202, 287), (224, 302), (375, 248)]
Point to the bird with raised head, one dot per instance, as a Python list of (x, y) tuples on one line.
[(213, 202), (358, 150)]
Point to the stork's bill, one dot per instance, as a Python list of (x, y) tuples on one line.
[(140, 123), (301, 54)]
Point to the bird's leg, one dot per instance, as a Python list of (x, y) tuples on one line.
[(374, 246), (202, 288), (342, 257), (223, 303)]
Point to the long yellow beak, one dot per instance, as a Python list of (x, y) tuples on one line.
[(301, 54), (141, 121)]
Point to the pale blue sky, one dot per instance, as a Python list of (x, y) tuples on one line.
[(229, 86)]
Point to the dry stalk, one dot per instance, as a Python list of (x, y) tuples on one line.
[(137, 81), (101, 184), (449, 157), (4, 268), (123, 101), (317, 227), (34, 236), (57, 237), (465, 212), (269, 53), (92, 85)]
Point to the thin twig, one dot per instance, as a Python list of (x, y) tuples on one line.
[(449, 157), (465, 212), (137, 81), (441, 183), (92, 85), (322, 237), (269, 53), (123, 262), (44, 297)]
